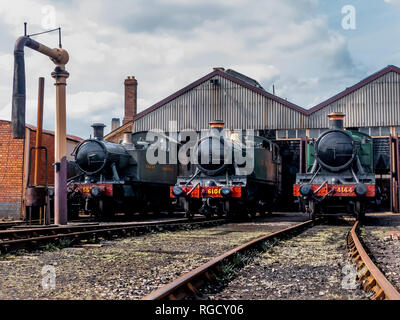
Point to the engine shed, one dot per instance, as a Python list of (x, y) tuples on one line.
[(371, 106)]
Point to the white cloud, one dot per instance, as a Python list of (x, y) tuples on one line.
[(168, 44)]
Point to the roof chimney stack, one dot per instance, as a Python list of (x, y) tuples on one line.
[(130, 99), (115, 124)]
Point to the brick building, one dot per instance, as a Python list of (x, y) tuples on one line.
[(14, 164)]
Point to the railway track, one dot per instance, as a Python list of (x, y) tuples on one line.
[(7, 225), (29, 238), (188, 285), (370, 275)]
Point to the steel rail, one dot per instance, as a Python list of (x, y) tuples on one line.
[(29, 231), (187, 284), (9, 245), (372, 278), (6, 225)]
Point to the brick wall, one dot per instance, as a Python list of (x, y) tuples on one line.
[(11, 173), (12, 167)]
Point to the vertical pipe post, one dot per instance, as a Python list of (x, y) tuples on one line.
[(60, 195), (397, 173), (39, 129), (303, 155)]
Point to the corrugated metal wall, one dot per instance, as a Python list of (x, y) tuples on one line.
[(238, 106), (375, 104)]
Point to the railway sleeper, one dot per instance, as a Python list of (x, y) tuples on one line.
[(369, 283)]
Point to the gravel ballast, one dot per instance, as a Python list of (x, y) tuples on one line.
[(312, 265), (128, 268)]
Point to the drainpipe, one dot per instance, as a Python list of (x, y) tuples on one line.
[(60, 58), (39, 127)]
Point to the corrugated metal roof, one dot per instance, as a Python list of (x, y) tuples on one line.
[(261, 91), (244, 105)]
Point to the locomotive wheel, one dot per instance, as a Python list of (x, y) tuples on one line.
[(360, 210), (73, 211), (312, 209), (189, 215), (105, 209), (226, 208), (251, 212)]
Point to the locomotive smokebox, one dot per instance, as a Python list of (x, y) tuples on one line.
[(98, 130), (336, 120)]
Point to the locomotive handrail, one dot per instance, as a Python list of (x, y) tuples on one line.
[(354, 176), (320, 187), (194, 188), (194, 176)]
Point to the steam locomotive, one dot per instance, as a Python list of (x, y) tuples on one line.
[(340, 172), (116, 178), (215, 185)]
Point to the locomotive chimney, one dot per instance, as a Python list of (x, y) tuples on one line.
[(217, 124), (130, 99), (127, 138), (98, 131), (336, 120), (115, 124)]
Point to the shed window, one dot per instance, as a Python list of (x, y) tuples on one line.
[(292, 134), (282, 134), (314, 133), (398, 130), (364, 130), (375, 132), (301, 133), (385, 131)]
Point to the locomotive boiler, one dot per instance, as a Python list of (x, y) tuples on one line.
[(116, 178), (219, 184), (340, 174)]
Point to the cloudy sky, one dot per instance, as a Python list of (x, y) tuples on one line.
[(298, 45)]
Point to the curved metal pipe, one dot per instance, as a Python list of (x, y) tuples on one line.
[(58, 56)]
